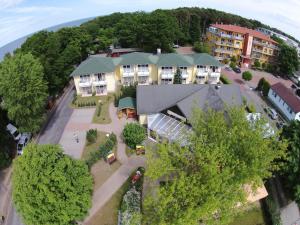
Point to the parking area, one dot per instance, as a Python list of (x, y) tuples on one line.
[(248, 88)]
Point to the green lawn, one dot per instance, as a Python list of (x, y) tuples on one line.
[(251, 216), (101, 138), (101, 115), (84, 100)]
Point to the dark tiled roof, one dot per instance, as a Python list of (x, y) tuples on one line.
[(156, 98), (287, 95)]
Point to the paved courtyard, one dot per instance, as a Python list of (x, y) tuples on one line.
[(78, 123)]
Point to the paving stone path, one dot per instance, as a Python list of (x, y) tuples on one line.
[(81, 121)]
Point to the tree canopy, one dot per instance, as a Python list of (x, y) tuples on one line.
[(50, 187), (133, 134), (292, 167), (288, 60), (23, 90), (204, 181), (247, 75)]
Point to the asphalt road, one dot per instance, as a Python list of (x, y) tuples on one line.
[(50, 135)]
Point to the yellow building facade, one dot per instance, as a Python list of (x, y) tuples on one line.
[(245, 44), (101, 75)]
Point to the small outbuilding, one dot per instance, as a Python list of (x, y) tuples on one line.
[(127, 106)]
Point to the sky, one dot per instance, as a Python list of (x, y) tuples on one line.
[(21, 17)]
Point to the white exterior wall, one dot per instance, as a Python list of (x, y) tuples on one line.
[(282, 106), (109, 78)]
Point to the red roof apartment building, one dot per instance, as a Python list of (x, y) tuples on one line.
[(246, 44)]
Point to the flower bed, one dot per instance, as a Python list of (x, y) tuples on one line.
[(131, 203), (103, 151)]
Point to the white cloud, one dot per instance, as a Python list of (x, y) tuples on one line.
[(38, 9), (4, 4)]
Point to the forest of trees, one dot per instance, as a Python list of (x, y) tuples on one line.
[(60, 51)]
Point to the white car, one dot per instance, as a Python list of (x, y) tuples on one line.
[(24, 139), (13, 131)]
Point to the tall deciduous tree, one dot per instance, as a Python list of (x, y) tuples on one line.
[(177, 76), (288, 60), (292, 168), (202, 183), (50, 187), (23, 90)]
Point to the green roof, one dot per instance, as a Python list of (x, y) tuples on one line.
[(174, 59), (95, 64), (205, 59), (127, 103), (138, 58), (100, 64)]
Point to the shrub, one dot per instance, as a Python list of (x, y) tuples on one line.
[(91, 135), (134, 134), (99, 109), (233, 59), (257, 63), (247, 76), (226, 61), (232, 65), (224, 79)]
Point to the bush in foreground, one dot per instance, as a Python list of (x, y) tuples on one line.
[(247, 76), (50, 187), (91, 135), (134, 134)]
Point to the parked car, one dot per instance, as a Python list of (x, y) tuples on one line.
[(24, 139), (294, 86), (237, 70), (13, 131), (228, 68), (176, 46), (271, 113)]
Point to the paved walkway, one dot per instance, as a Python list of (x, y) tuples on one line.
[(79, 122)]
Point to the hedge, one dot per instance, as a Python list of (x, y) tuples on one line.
[(224, 79)]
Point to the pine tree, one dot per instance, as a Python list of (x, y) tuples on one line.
[(177, 77)]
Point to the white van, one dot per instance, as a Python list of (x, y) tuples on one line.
[(13, 131)]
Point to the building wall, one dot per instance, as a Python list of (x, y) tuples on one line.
[(224, 45), (282, 106), (110, 79), (111, 82), (143, 119)]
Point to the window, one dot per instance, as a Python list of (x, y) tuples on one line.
[(84, 78), (143, 68), (143, 80), (214, 68), (166, 81), (100, 76)]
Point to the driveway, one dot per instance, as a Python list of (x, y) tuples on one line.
[(53, 130), (79, 122)]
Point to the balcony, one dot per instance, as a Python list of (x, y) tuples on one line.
[(260, 43), (167, 74), (214, 74), (223, 43), (101, 82), (184, 74), (85, 83), (257, 50), (128, 73), (221, 50), (143, 73), (201, 73)]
